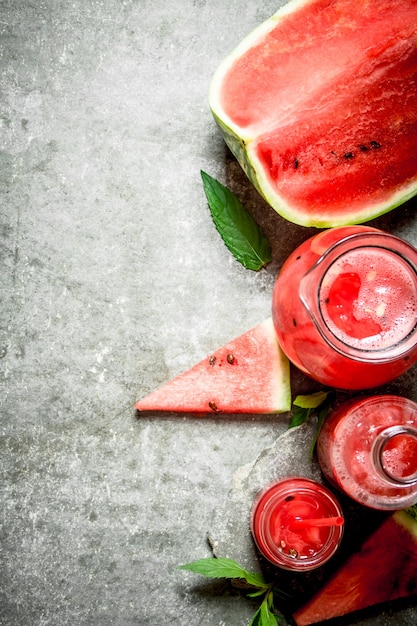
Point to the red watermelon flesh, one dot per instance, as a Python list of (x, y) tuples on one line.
[(250, 374), (319, 105), (384, 569)]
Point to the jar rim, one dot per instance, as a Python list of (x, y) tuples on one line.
[(380, 447), (312, 282)]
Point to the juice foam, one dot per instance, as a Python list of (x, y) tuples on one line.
[(368, 299)]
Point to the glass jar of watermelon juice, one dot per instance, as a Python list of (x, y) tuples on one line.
[(344, 307), (368, 448), (297, 524)]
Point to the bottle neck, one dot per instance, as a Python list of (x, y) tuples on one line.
[(395, 455)]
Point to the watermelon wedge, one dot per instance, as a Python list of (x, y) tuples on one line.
[(319, 106), (384, 569), (250, 374)]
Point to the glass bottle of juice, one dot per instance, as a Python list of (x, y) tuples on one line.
[(344, 307), (368, 448), (297, 524)]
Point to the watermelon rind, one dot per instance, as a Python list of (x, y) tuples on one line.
[(242, 144), (408, 519), (250, 165), (412, 510)]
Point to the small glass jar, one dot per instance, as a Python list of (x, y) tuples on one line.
[(368, 449), (344, 307), (297, 524)]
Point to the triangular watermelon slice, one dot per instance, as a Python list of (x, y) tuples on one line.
[(250, 374), (384, 569)]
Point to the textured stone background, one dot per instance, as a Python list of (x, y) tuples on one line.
[(113, 279)]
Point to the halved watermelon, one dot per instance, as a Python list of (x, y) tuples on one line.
[(319, 106), (384, 569), (250, 374)]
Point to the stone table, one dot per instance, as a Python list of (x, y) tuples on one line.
[(113, 280)]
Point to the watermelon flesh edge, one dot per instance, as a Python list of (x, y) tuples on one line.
[(250, 374), (319, 106), (384, 569)]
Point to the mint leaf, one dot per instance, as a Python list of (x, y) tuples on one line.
[(299, 416), (227, 568), (265, 615), (255, 619), (325, 409), (267, 618), (311, 401), (303, 406), (319, 403), (257, 593), (239, 231), (224, 568)]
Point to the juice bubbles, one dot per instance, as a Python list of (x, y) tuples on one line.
[(297, 524), (345, 307), (368, 449)]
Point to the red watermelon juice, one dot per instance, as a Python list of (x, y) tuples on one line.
[(345, 307), (368, 448), (297, 524)]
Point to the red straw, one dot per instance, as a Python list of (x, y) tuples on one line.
[(320, 521)]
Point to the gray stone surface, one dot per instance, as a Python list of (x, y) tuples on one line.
[(113, 280)]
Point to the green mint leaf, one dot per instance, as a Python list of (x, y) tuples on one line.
[(227, 568), (298, 416), (255, 621), (324, 411), (267, 617), (257, 593), (239, 231), (224, 568), (311, 401), (303, 406)]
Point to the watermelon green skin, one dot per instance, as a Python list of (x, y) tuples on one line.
[(250, 374), (319, 106), (384, 569)]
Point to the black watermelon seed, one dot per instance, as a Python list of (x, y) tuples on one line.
[(375, 145), (348, 155)]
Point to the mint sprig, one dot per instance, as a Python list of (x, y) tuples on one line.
[(319, 403), (303, 407), (265, 615), (239, 231), (254, 585)]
